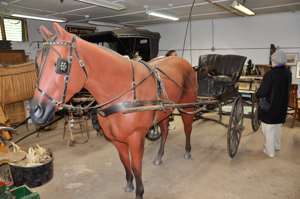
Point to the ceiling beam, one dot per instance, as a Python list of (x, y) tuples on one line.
[(277, 6), (74, 10), (15, 1), (29, 8)]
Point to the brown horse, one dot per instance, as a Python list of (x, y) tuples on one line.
[(70, 64)]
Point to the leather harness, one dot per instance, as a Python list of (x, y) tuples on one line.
[(63, 67)]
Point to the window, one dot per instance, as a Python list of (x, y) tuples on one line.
[(1, 33), (13, 29)]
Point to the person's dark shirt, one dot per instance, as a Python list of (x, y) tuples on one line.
[(275, 87)]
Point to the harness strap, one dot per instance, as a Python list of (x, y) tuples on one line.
[(45, 94), (165, 74), (133, 81), (81, 63), (126, 106), (159, 83)]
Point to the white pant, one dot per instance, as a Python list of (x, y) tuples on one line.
[(272, 133)]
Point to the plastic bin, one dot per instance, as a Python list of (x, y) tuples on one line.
[(23, 192)]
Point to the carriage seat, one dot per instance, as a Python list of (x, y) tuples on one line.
[(218, 74)]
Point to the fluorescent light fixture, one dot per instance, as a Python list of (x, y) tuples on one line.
[(240, 7), (161, 15), (39, 18), (100, 23), (105, 4)]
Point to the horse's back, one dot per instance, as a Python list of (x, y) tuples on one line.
[(178, 69), (172, 62)]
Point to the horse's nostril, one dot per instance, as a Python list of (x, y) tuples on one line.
[(38, 110), (35, 107)]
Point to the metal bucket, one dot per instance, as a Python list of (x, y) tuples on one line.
[(32, 176)]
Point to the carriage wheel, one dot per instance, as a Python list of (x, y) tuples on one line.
[(255, 122), (235, 127), (154, 133)]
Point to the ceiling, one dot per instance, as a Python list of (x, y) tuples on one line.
[(134, 14)]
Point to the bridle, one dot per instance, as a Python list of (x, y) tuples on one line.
[(62, 66)]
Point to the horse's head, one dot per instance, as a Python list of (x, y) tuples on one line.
[(62, 73)]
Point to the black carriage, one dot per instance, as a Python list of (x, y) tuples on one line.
[(217, 77), (128, 41)]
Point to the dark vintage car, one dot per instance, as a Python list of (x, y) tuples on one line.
[(128, 41)]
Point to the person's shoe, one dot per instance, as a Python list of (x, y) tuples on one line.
[(269, 155)]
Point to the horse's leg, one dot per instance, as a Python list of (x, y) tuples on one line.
[(164, 124), (187, 122), (124, 157), (136, 147)]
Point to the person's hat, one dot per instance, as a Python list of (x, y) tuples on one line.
[(278, 58)]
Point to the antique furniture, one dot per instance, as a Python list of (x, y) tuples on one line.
[(293, 106)]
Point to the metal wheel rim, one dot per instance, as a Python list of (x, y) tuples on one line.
[(235, 127)]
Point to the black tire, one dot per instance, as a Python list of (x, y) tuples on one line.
[(154, 133), (235, 127), (255, 122)]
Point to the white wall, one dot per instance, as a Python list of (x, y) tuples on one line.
[(30, 47), (248, 36)]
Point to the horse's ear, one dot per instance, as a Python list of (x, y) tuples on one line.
[(58, 29), (46, 34)]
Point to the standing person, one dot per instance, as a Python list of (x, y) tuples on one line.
[(273, 95), (171, 53)]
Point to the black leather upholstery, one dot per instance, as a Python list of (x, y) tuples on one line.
[(218, 74)]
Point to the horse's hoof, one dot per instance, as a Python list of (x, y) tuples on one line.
[(129, 188), (139, 197), (157, 162), (187, 156)]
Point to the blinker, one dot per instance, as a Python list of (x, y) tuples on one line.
[(62, 67)]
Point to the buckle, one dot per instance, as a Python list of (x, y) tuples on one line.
[(81, 63)]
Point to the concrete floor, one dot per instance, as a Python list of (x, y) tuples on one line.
[(93, 170)]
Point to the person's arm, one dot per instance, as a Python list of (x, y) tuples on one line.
[(265, 87)]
